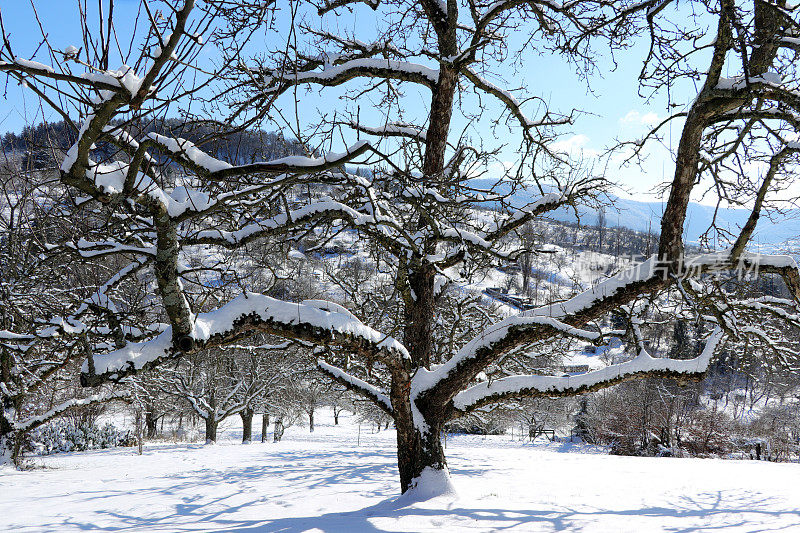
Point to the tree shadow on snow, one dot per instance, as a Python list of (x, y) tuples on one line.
[(705, 512), (300, 473)]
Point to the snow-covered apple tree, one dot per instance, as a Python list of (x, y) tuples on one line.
[(37, 371), (418, 87), (217, 384)]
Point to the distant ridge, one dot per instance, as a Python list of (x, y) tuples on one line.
[(641, 216)]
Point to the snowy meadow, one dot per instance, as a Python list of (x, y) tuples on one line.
[(340, 479)]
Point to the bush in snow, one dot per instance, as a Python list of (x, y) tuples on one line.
[(777, 429), (471, 426), (657, 418), (480, 423), (65, 436)]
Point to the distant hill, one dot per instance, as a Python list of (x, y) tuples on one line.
[(641, 216), (235, 147)]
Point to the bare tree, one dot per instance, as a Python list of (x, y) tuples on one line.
[(215, 386), (601, 228), (38, 371)]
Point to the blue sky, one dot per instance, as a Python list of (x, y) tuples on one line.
[(614, 106)]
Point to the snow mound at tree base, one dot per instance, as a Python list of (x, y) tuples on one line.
[(431, 483)]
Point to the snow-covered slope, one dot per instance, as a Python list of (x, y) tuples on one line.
[(340, 479)]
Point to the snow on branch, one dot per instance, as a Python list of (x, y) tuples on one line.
[(357, 385), (330, 75), (467, 236), (36, 421), (645, 277), (494, 334), (330, 5), (202, 163), (118, 177), (123, 80), (328, 208), (260, 347), (691, 267), (547, 202), (770, 79), (88, 249), (393, 129), (641, 366), (32, 65), (188, 152), (101, 296), (485, 238), (124, 77), (25, 67), (248, 312)]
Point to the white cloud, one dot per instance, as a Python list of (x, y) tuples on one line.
[(494, 170), (575, 145), (650, 119), (499, 169), (631, 118), (635, 118)]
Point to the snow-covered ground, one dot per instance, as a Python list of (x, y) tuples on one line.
[(341, 480)]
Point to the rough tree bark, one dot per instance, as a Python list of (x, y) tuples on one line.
[(7, 440), (247, 425), (418, 450), (211, 430), (277, 433), (419, 444), (151, 423)]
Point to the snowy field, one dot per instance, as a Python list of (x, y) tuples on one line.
[(337, 481)]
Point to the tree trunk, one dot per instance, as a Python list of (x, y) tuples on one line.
[(418, 452), (418, 448), (336, 416), (311, 420), (211, 430), (264, 426), (5, 450), (418, 311), (9, 442), (419, 315), (151, 422), (526, 264), (768, 20), (139, 435), (277, 433), (6, 442), (247, 425)]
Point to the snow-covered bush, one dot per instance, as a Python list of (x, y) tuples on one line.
[(65, 436), (475, 424), (708, 433), (658, 418), (777, 429)]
